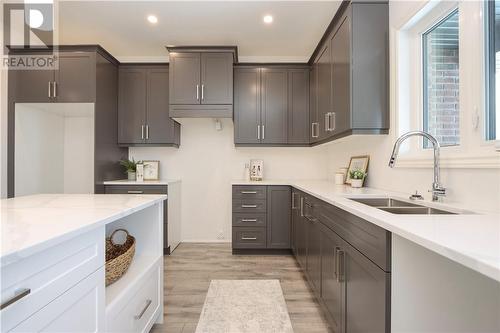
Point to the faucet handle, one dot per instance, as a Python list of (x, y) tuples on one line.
[(416, 196)]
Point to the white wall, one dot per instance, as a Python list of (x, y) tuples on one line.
[(207, 161), (472, 188)]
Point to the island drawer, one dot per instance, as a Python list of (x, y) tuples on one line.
[(249, 206), (250, 191), (249, 237), (249, 219), (31, 282), (141, 306), (136, 189)]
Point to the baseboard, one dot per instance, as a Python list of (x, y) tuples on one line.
[(206, 241), (262, 251)]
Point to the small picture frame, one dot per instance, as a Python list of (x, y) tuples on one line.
[(151, 170), (256, 170), (357, 163)]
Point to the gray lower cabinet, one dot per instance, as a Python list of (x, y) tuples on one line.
[(261, 217), (143, 102), (145, 189), (347, 265), (271, 106)]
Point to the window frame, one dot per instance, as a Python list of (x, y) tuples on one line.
[(490, 71)]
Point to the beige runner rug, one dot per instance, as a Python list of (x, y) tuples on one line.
[(244, 306)]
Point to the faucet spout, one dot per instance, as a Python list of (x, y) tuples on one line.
[(437, 190)]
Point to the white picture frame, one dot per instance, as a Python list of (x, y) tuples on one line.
[(256, 170), (151, 170)]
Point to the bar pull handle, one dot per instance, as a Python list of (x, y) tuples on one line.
[(248, 192), (197, 92), (202, 92), (248, 206), (302, 206), (248, 220), (333, 121), (19, 294), (142, 132), (335, 258), (139, 316), (135, 192), (147, 132), (327, 122), (258, 132), (293, 200), (50, 89), (54, 86), (340, 265), (248, 238), (263, 132)]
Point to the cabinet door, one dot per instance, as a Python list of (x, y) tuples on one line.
[(295, 220), (131, 105), (324, 90), (367, 294), (31, 86), (247, 106), (274, 105), (301, 239), (278, 217), (332, 287), (184, 78), (298, 106), (313, 104), (75, 78), (341, 76), (216, 78), (80, 309), (161, 128), (314, 254)]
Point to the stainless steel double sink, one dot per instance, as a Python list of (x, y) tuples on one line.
[(395, 206)]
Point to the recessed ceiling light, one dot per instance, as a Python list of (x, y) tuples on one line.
[(152, 19), (268, 19)]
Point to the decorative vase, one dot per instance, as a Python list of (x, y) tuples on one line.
[(357, 183), (131, 175)]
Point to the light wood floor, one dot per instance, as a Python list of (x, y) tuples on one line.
[(189, 270)]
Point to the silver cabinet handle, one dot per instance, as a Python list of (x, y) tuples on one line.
[(147, 132), (50, 89), (293, 200), (202, 92), (339, 260), (139, 316), (263, 132), (248, 206), (258, 132), (327, 122), (315, 130), (197, 92), (142, 132), (302, 206), (54, 86), (135, 192), (333, 121), (19, 294), (248, 220), (335, 267), (248, 238), (248, 192)]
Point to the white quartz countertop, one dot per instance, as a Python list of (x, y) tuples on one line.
[(33, 223), (472, 240), (146, 182)]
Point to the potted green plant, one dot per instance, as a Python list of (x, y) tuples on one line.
[(357, 178), (130, 168)]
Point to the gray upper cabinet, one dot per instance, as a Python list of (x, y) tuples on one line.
[(298, 106), (247, 105), (271, 106), (352, 82), (274, 126), (201, 83), (184, 84), (278, 217), (216, 78), (40, 83), (143, 117), (313, 104)]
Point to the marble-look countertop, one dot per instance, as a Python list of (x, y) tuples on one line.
[(146, 182), (32, 223), (471, 238)]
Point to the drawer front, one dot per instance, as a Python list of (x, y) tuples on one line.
[(48, 274), (371, 240), (136, 189), (249, 238), (138, 313), (250, 191), (249, 206), (249, 219)]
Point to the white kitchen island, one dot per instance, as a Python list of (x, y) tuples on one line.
[(52, 263)]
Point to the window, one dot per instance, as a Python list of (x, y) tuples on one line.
[(440, 56), (492, 69)]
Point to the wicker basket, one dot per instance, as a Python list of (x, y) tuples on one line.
[(118, 257)]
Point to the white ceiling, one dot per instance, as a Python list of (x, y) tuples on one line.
[(122, 29)]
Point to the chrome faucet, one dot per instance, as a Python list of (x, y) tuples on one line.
[(437, 189)]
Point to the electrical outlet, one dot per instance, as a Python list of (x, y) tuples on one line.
[(220, 235)]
